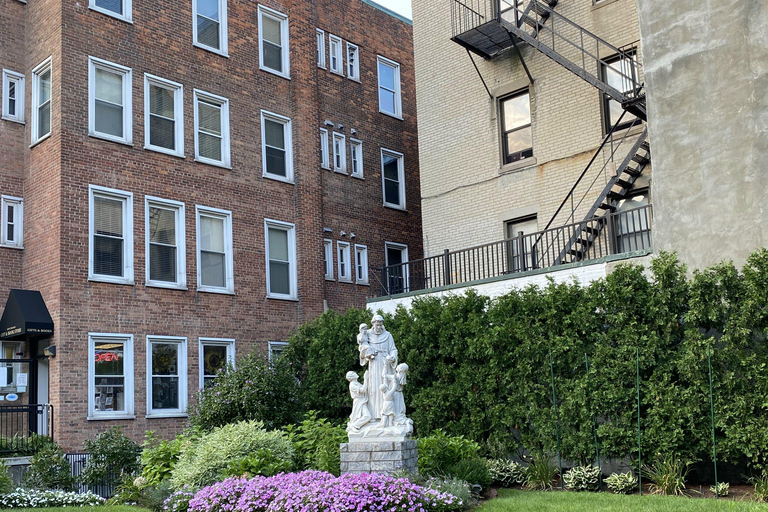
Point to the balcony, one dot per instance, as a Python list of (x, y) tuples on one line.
[(479, 25)]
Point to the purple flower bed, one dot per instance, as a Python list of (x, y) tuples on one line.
[(316, 491)]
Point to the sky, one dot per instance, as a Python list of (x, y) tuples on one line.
[(402, 7)]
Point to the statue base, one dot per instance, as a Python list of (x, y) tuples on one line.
[(379, 455)]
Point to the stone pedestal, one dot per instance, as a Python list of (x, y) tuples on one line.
[(379, 457)]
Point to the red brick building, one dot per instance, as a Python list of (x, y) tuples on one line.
[(186, 181)]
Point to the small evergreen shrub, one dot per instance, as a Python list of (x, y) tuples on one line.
[(582, 478), (506, 472), (317, 443), (668, 476), (112, 458), (721, 489), (540, 472), (6, 484), (438, 453), (622, 483), (50, 469)]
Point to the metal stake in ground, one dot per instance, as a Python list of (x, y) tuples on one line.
[(639, 457), (594, 427), (712, 411), (557, 420)]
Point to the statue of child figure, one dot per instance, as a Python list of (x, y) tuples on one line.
[(361, 415), (388, 389), (362, 345)]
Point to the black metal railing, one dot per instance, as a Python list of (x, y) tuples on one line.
[(613, 233), (21, 425), (78, 462)]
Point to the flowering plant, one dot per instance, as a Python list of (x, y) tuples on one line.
[(23, 498), (179, 500)]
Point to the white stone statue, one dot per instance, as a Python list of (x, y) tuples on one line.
[(360, 412)]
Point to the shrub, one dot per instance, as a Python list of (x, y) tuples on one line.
[(34, 498), (205, 461), (112, 457), (506, 472), (455, 487), (257, 389), (159, 457), (582, 478), (474, 471), (721, 489), (761, 488), (6, 484), (178, 501), (50, 469), (540, 472), (668, 476), (622, 483), (438, 453), (317, 443), (263, 463)]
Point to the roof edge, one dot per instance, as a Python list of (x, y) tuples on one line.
[(388, 11)]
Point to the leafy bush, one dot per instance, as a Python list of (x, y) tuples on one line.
[(257, 389), (540, 472), (6, 484), (317, 443), (761, 488), (263, 463), (112, 457), (721, 489), (438, 453), (668, 476), (582, 478), (455, 487), (474, 471), (159, 457), (50, 469), (23, 498), (622, 483), (205, 461), (506, 472)]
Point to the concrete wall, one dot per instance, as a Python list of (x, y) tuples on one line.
[(706, 68)]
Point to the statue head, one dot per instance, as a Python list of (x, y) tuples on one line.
[(352, 376), (363, 328), (402, 368), (377, 322)]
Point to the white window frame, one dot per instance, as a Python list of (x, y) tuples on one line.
[(181, 251), (321, 59), (127, 78), (361, 277), (128, 384), (356, 156), (325, 159), (292, 260), (18, 222), (42, 68), (181, 371), (229, 343), (285, 52), (127, 10), (401, 178), (8, 77), (328, 259), (178, 113), (339, 153), (335, 49), (344, 254), (287, 137), (353, 67), (398, 113), (404, 251), (272, 348), (225, 161), (127, 199), (226, 215), (223, 46)]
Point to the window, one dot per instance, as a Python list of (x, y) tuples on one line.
[(361, 264), (13, 221), (165, 246), (8, 371), (209, 27), (214, 250), (273, 42), (110, 376), (345, 265), (356, 151), (320, 49), (353, 63), (41, 101), (215, 353), (166, 376), (393, 178), (13, 96), (163, 116), (619, 73), (120, 9), (334, 48), (276, 349), (276, 147), (281, 260), (520, 246), (211, 129), (517, 136), (109, 100), (389, 87), (111, 235), (339, 153), (325, 160), (397, 274), (328, 258)]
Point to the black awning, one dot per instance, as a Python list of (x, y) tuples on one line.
[(25, 314)]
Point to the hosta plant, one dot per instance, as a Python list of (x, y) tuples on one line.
[(721, 489), (668, 476), (506, 472), (582, 478), (622, 483)]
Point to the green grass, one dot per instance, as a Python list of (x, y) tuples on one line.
[(537, 501), (105, 508)]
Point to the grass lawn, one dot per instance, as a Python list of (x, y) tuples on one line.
[(525, 501)]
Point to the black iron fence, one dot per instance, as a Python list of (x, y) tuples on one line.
[(20, 426), (614, 233), (78, 462)]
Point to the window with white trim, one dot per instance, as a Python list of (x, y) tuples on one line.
[(166, 376), (109, 99), (276, 147), (325, 160), (165, 243), (389, 87), (163, 116), (335, 53), (280, 242), (356, 154), (214, 250), (209, 26), (12, 222), (120, 9), (353, 61), (111, 235), (339, 153), (328, 258), (276, 349), (361, 264), (393, 178), (274, 55), (320, 48), (215, 354), (13, 96), (345, 265), (110, 376), (41, 101), (211, 129)]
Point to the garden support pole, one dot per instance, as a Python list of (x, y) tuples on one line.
[(557, 420), (639, 456), (712, 411), (594, 427)]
